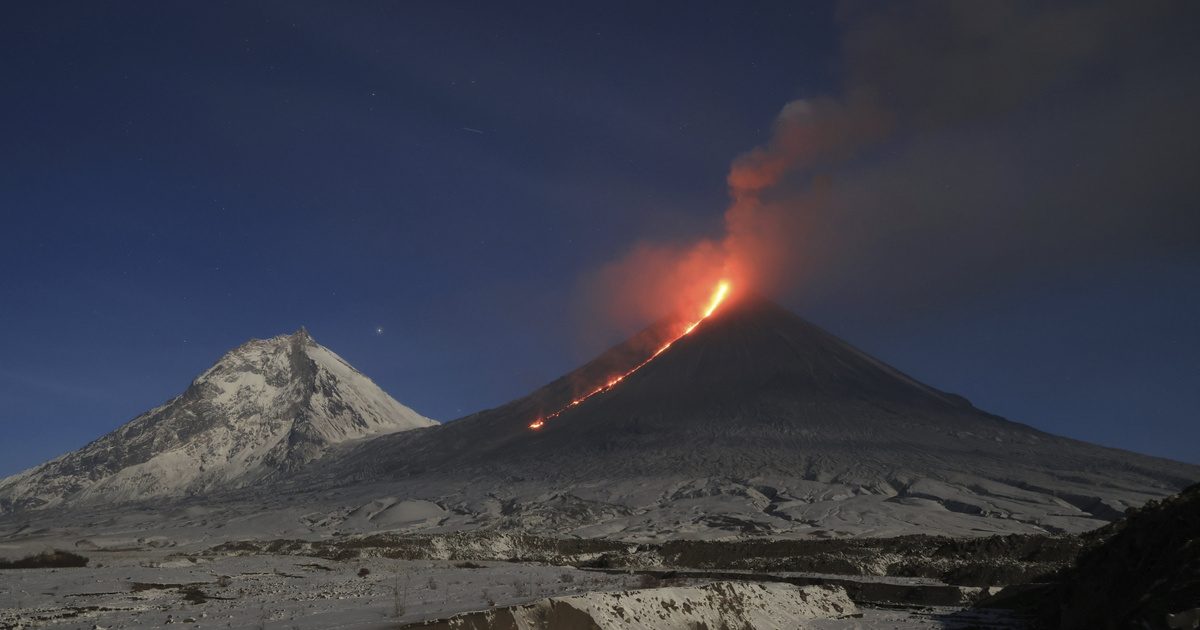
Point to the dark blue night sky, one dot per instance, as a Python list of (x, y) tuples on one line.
[(177, 178)]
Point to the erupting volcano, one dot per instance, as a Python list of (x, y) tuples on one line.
[(745, 418), (718, 296)]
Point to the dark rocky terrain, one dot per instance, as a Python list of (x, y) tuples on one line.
[(1140, 572)]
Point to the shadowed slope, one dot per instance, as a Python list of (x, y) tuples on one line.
[(753, 376)]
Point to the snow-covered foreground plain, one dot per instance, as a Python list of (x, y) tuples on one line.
[(148, 590), (153, 588), (229, 567)]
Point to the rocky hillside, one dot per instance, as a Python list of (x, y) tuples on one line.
[(1142, 571)]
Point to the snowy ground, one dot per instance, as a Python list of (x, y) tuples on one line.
[(148, 569), (153, 588), (139, 590)]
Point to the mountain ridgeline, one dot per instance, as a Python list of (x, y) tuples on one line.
[(757, 422)]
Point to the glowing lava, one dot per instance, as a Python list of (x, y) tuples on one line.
[(718, 296)]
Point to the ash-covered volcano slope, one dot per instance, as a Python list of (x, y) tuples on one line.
[(266, 408), (761, 421)]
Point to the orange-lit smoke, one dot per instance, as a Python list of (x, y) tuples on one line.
[(651, 281), (763, 246), (714, 301)]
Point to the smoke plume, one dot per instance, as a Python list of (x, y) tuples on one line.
[(968, 143)]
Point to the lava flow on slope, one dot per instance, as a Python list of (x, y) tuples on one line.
[(718, 296)]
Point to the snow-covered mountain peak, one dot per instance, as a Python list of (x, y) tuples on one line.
[(265, 408), (273, 362)]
